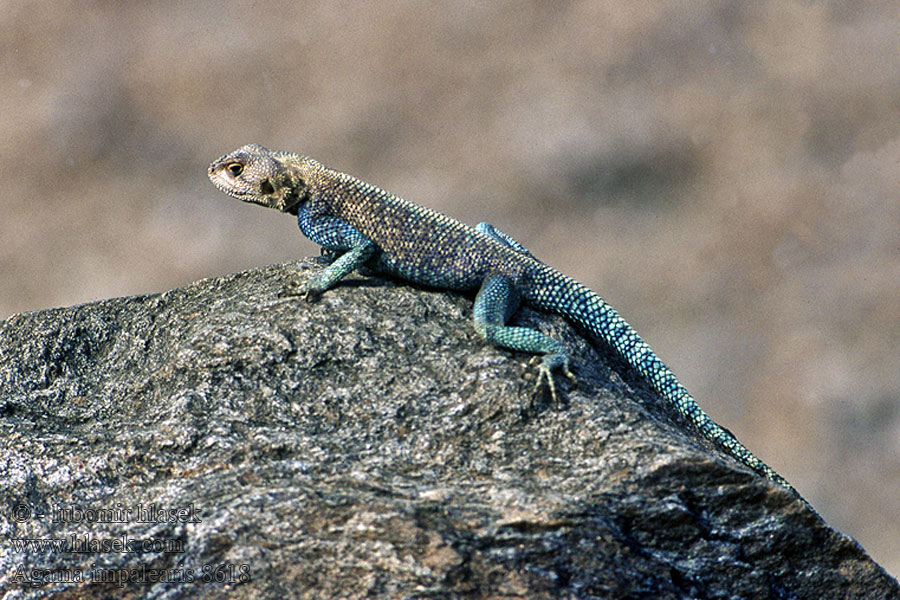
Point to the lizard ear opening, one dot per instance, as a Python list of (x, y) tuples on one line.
[(287, 188)]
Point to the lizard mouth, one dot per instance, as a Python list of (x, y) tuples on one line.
[(227, 186), (285, 201), (265, 195)]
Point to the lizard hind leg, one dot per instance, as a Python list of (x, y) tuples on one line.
[(496, 301)]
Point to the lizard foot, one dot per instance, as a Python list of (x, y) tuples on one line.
[(328, 256), (296, 288), (545, 374)]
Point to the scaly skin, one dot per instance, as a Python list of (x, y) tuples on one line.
[(367, 225)]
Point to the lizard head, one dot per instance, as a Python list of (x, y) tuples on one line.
[(261, 176)]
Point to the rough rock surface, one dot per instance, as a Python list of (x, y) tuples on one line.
[(220, 440)]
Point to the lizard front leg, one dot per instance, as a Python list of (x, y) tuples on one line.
[(347, 262), (496, 301), (333, 235)]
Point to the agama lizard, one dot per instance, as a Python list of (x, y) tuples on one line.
[(365, 225)]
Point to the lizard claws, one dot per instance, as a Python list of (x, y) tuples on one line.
[(545, 374), (302, 290)]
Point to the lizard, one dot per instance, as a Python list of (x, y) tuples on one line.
[(363, 225)]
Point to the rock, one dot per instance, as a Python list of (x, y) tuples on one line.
[(221, 440)]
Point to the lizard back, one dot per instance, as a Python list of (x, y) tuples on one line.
[(414, 242)]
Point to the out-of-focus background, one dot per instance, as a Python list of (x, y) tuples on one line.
[(727, 174)]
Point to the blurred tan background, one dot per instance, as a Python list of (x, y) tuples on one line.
[(726, 174)]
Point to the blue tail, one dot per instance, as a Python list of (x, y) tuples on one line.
[(554, 292)]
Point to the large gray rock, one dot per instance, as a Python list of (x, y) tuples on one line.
[(222, 440)]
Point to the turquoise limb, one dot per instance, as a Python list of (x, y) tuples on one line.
[(496, 301), (351, 259)]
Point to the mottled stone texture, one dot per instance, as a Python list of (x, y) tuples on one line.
[(235, 443)]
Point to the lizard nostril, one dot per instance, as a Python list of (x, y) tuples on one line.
[(266, 188)]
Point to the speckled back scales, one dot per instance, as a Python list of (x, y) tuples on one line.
[(367, 225)]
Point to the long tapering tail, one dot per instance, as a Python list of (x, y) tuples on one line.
[(574, 301)]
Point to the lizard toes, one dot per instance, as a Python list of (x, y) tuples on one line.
[(545, 377), (295, 289), (289, 293), (309, 295)]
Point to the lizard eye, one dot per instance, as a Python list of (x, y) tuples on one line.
[(235, 169)]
